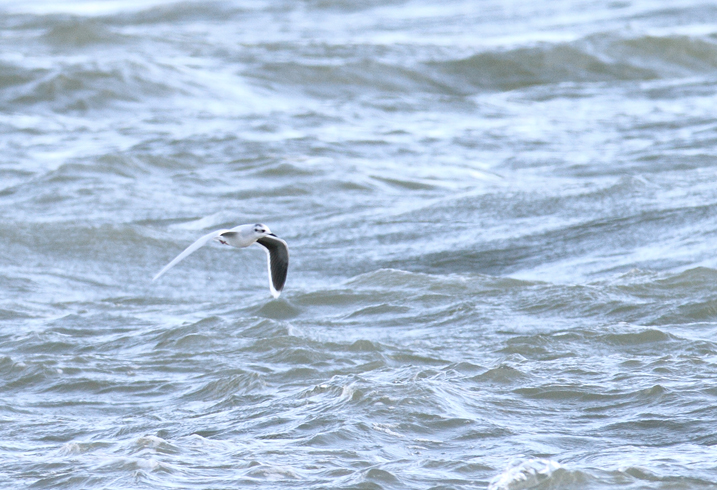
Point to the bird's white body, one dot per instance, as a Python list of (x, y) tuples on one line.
[(243, 236)]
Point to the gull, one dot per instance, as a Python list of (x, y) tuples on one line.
[(243, 236)]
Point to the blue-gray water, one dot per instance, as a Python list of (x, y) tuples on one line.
[(502, 221)]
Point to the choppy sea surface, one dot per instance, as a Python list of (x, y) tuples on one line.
[(502, 219)]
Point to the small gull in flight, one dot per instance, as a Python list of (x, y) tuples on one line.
[(242, 236)]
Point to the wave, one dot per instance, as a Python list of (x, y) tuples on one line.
[(600, 58), (531, 473), (90, 84), (107, 72), (595, 59)]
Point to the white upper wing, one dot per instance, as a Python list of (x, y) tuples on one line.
[(190, 249)]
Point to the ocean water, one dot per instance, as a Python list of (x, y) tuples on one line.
[(501, 218)]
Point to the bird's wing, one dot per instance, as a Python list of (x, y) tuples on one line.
[(278, 257), (192, 248)]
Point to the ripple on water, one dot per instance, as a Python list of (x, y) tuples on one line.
[(228, 386)]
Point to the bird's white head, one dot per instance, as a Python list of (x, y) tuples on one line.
[(261, 230)]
